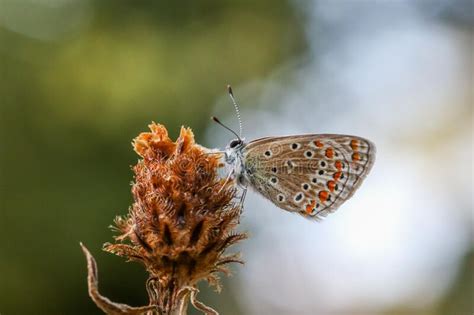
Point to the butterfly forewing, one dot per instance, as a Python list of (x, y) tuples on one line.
[(308, 174)]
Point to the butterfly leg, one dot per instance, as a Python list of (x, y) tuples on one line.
[(229, 177), (242, 197)]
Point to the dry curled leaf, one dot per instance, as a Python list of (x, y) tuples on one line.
[(102, 302)]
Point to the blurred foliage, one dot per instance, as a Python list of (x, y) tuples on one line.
[(459, 299), (79, 80)]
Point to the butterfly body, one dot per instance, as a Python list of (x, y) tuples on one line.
[(308, 174)]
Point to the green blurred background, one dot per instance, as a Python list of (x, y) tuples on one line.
[(78, 81)]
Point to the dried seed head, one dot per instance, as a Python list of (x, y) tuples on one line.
[(182, 219)]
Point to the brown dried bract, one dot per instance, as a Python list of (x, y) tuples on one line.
[(182, 219)]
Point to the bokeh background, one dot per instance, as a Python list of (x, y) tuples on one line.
[(80, 78)]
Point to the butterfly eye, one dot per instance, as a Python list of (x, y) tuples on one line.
[(234, 143)]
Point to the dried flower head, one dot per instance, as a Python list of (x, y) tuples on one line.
[(181, 222)]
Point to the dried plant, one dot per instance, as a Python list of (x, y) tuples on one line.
[(181, 222)]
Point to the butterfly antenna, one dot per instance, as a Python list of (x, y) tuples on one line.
[(219, 122), (237, 111)]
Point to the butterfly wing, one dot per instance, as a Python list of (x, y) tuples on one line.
[(308, 174)]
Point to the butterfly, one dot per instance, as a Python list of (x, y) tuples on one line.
[(311, 175)]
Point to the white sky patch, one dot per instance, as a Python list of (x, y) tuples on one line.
[(399, 238)]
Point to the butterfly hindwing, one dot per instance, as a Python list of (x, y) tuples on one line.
[(308, 174)]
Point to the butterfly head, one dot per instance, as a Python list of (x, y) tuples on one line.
[(233, 149)]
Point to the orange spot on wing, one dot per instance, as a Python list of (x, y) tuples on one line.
[(354, 145), (323, 195), (337, 175), (318, 143), (329, 153), (310, 207), (338, 165), (356, 156), (331, 185)]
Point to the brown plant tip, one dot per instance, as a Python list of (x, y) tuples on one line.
[(182, 219)]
